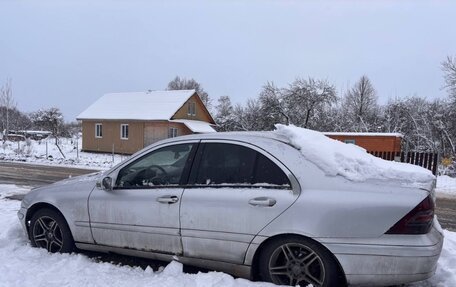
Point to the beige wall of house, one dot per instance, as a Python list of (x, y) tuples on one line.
[(140, 135), (201, 113), (111, 136), (158, 130)]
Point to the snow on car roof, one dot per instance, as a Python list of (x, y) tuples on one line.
[(348, 160), (150, 105)]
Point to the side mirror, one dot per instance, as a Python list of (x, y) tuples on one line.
[(106, 183)]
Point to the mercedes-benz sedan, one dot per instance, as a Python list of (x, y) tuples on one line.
[(250, 204)]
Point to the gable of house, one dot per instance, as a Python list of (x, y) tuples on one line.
[(193, 109)]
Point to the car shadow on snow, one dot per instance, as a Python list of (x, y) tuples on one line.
[(143, 263)]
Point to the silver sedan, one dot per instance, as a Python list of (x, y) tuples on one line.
[(249, 204)]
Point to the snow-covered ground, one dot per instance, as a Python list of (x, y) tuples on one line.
[(446, 186), (46, 152), (22, 265)]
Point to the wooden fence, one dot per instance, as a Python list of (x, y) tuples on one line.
[(424, 159)]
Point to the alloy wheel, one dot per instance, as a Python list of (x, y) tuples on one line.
[(294, 263), (47, 234)]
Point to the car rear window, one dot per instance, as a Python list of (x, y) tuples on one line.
[(230, 164)]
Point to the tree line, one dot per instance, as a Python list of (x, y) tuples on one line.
[(426, 124), (12, 120)]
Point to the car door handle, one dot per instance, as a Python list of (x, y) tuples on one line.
[(168, 199), (262, 201)]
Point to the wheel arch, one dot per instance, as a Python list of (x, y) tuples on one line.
[(255, 262)]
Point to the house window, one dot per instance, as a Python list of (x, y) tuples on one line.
[(124, 131), (192, 109), (98, 131), (172, 132), (350, 141)]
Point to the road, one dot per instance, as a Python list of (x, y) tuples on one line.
[(446, 212), (38, 175)]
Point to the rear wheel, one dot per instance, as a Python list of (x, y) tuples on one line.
[(49, 230), (295, 260)]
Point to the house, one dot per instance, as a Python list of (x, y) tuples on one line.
[(372, 142), (127, 122)]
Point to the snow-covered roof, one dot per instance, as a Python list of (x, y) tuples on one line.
[(197, 126), (151, 105), (363, 134)]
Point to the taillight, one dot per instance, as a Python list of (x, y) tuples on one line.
[(417, 221)]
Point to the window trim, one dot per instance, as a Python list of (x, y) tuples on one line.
[(100, 130), (171, 132), (294, 184), (350, 141), (185, 172), (191, 109), (126, 131)]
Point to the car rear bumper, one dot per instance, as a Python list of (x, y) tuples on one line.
[(390, 259)]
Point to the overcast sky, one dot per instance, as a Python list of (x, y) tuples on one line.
[(69, 53)]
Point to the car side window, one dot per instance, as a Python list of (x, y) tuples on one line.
[(267, 172), (161, 167), (230, 164)]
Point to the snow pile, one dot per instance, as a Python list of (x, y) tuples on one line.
[(348, 160), (446, 185), (11, 189), (46, 152)]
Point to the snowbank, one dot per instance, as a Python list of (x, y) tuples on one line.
[(446, 185), (348, 160), (445, 275)]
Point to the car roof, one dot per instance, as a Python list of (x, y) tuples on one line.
[(244, 135)]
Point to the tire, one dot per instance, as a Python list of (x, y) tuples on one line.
[(296, 260), (49, 230)]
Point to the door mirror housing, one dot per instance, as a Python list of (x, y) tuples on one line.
[(106, 183)]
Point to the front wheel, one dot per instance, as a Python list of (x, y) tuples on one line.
[(296, 260), (49, 230)]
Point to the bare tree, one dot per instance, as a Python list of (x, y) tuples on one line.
[(52, 120), (449, 69), (272, 107), (360, 105), (247, 117), (7, 102), (179, 83), (225, 114), (304, 98)]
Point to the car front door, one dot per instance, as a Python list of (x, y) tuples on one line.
[(142, 209), (234, 191)]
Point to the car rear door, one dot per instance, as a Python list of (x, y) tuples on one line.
[(142, 210), (235, 189)]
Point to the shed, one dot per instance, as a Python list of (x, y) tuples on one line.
[(372, 142)]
